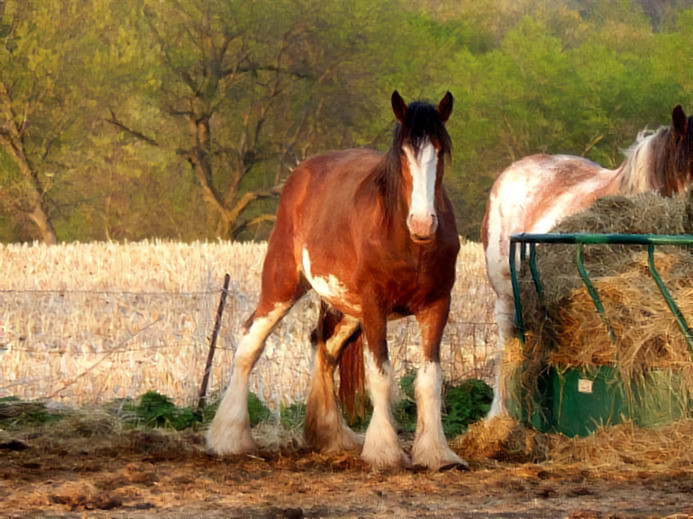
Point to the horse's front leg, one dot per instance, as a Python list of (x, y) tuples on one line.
[(381, 448), (430, 445), (229, 432)]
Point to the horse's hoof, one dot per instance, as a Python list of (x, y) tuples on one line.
[(455, 465), (437, 459), (392, 461), (407, 462)]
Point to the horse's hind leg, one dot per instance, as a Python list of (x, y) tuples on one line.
[(229, 432), (504, 315), (325, 427)]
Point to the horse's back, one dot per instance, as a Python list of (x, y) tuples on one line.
[(532, 195)]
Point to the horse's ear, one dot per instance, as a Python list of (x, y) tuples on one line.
[(445, 107), (680, 120), (399, 107)]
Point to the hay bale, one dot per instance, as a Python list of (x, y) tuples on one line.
[(648, 335), (646, 213)]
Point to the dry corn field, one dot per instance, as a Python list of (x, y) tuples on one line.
[(82, 324)]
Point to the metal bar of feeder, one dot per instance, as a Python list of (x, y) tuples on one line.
[(613, 238), (535, 271), (519, 324), (680, 319), (580, 260)]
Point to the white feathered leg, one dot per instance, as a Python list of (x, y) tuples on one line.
[(229, 432), (430, 446), (381, 448)]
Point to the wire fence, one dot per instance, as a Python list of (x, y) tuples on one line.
[(85, 343)]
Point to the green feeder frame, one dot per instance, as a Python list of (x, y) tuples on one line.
[(577, 401)]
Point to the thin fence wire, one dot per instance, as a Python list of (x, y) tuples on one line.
[(85, 324)]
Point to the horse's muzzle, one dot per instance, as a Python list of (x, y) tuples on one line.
[(422, 229)]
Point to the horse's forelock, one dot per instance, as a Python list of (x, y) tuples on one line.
[(422, 125)]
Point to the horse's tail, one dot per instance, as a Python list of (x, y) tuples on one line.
[(351, 371), (352, 384)]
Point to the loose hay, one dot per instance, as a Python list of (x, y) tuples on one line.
[(620, 446), (501, 438), (625, 444)]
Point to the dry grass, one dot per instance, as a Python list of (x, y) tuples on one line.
[(86, 323)]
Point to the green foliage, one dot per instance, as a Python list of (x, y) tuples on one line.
[(156, 410), (404, 411), (132, 120), (464, 404), (293, 416), (19, 414), (257, 410), (151, 410)]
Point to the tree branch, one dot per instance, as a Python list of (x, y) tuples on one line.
[(139, 135), (255, 221)]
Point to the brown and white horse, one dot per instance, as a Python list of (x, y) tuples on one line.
[(537, 192), (374, 235)]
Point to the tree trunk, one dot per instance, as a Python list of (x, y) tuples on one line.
[(11, 133)]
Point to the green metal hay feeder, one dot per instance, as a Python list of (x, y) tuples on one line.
[(578, 401)]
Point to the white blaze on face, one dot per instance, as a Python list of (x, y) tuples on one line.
[(422, 220)]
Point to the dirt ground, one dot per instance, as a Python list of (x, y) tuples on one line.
[(147, 473)]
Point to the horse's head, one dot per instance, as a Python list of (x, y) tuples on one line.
[(422, 143), (680, 152)]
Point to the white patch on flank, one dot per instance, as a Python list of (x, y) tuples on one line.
[(229, 432), (430, 446), (422, 168), (380, 448), (329, 288)]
